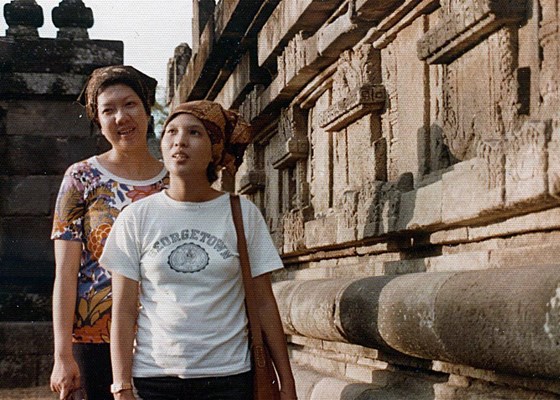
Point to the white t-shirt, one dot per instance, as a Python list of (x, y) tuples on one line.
[(192, 321)]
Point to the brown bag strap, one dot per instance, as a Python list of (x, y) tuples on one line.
[(250, 296)]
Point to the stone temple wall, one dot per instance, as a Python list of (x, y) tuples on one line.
[(42, 131), (406, 159)]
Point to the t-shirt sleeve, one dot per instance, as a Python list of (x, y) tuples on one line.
[(263, 254), (70, 209), (121, 253)]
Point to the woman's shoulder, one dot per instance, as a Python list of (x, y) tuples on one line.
[(82, 166), (146, 204)]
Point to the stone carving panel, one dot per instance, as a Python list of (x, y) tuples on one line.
[(292, 128), (481, 109), (526, 163), (492, 172), (356, 88), (293, 58), (294, 231), (347, 220), (369, 199), (466, 23)]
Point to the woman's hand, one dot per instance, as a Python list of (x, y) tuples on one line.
[(125, 395), (65, 375)]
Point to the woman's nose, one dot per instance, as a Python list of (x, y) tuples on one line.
[(121, 115), (181, 140)]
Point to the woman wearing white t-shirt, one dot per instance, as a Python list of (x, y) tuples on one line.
[(176, 253)]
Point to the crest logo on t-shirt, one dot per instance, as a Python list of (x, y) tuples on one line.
[(188, 257)]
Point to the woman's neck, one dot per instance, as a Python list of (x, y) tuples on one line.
[(193, 190), (136, 165)]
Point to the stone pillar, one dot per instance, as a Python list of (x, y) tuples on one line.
[(23, 18), (73, 19), (502, 320), (176, 68)]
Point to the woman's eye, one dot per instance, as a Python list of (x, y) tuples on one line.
[(106, 111), (195, 132)]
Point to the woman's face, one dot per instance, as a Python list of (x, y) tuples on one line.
[(186, 147), (122, 117)]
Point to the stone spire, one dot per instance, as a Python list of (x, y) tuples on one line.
[(73, 19), (23, 18)]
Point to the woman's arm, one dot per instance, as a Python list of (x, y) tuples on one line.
[(274, 335), (65, 375), (125, 313)]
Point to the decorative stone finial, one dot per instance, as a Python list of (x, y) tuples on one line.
[(23, 18), (73, 19)]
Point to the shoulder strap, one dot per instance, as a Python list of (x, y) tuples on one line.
[(250, 297)]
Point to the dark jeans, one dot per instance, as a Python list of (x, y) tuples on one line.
[(233, 387), (94, 361)]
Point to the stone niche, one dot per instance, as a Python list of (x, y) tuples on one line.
[(357, 88), (289, 157)]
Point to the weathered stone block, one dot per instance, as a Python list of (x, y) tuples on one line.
[(458, 262), (545, 254), (53, 118), (526, 164), (251, 182), (421, 208), (320, 232), (465, 24), (28, 241), (510, 315), (294, 231), (26, 338), (33, 195), (287, 19), (313, 310), (26, 155), (466, 194), (347, 217), (80, 57), (18, 371)]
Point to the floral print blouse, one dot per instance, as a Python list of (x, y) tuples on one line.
[(88, 202)]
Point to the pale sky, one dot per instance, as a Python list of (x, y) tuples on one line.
[(150, 29)]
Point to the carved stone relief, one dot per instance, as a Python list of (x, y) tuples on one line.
[(466, 23), (292, 128), (526, 163), (294, 231), (356, 88), (481, 109), (293, 58), (368, 209), (347, 219), (493, 168)]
